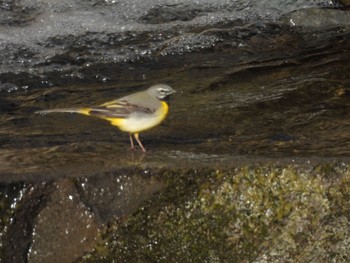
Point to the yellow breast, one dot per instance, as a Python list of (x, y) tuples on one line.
[(137, 122)]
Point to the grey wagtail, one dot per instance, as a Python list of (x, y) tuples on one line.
[(134, 113)]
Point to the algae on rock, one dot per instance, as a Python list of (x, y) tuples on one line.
[(250, 214)]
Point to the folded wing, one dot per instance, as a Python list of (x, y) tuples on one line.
[(118, 109)]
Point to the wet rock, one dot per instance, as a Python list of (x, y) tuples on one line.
[(15, 14), (249, 214), (39, 35), (345, 2), (114, 195), (318, 18), (58, 222), (17, 233), (7, 105), (64, 229), (163, 14)]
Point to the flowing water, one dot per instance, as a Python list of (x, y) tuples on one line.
[(249, 104), (255, 80)]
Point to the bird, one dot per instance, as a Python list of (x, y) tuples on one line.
[(133, 113)]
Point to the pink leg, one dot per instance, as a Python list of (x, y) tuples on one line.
[(136, 135), (131, 142)]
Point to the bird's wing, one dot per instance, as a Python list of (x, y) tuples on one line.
[(117, 109)]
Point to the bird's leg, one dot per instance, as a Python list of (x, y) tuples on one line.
[(136, 135), (131, 142)]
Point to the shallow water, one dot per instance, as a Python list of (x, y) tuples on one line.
[(229, 107), (246, 92)]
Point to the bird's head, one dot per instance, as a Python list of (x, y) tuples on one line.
[(160, 91)]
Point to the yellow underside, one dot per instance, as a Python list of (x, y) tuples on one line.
[(135, 124)]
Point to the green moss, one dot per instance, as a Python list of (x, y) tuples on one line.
[(261, 214)]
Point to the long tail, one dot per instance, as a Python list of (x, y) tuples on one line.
[(69, 110)]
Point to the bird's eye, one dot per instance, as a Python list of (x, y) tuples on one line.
[(162, 91)]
